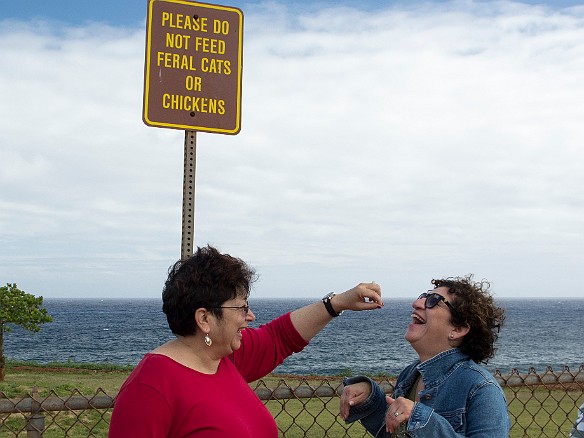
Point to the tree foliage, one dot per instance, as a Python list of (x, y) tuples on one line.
[(20, 309)]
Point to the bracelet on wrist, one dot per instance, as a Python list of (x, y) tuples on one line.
[(328, 305)]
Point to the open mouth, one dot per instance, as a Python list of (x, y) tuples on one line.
[(416, 319)]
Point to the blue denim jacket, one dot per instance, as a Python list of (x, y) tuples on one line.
[(460, 399)]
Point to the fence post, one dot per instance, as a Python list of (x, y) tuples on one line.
[(35, 424)]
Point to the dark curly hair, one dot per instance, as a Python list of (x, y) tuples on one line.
[(206, 279), (476, 309)]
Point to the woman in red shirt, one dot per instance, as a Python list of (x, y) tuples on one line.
[(196, 385)]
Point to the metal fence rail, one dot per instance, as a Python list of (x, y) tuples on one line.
[(540, 405)]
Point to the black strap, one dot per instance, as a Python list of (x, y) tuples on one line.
[(329, 307)]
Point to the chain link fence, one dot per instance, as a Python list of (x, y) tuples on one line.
[(540, 405)]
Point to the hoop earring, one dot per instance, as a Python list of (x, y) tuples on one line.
[(208, 340)]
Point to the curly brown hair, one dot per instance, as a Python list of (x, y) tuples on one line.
[(206, 279), (475, 308)]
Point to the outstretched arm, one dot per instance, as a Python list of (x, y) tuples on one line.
[(311, 319)]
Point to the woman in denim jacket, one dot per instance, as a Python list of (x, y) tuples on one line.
[(445, 393)]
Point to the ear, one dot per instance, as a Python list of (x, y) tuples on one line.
[(457, 333), (202, 319)]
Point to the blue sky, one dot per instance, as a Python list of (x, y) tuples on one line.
[(388, 142), (133, 12)]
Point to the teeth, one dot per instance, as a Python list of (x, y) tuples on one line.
[(417, 318)]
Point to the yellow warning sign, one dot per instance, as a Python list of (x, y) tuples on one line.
[(193, 67)]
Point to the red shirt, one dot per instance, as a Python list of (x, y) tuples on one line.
[(162, 398)]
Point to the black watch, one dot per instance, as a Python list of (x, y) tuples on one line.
[(329, 307)]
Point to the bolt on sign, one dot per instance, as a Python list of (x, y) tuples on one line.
[(193, 67)]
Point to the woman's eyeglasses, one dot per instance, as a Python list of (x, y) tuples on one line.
[(433, 298), (244, 309)]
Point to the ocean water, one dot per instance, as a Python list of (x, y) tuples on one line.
[(537, 333)]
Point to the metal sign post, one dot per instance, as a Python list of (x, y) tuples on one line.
[(192, 80), (188, 207)]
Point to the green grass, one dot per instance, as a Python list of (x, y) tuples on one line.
[(541, 412), (61, 379), (535, 412)]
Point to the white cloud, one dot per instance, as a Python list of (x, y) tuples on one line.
[(393, 146)]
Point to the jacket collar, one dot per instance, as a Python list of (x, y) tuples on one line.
[(438, 368)]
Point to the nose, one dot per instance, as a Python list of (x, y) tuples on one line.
[(250, 316), (419, 303)]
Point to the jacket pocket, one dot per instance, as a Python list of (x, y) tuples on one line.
[(455, 418)]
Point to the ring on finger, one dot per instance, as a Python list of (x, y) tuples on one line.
[(396, 414)]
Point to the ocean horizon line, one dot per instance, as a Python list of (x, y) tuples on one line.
[(315, 298), (112, 330)]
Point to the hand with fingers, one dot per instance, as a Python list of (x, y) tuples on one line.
[(364, 296), (398, 412), (353, 395)]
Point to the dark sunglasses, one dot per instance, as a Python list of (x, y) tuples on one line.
[(433, 298), (245, 308)]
